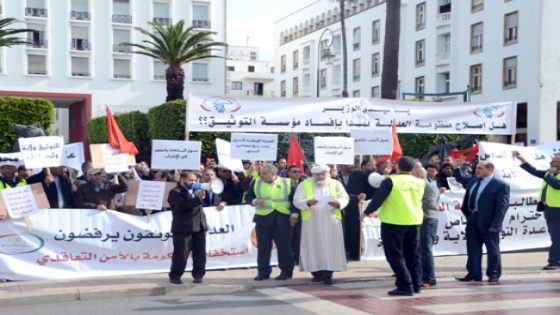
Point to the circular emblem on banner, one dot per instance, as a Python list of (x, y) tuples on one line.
[(220, 105), (15, 244), (489, 112)]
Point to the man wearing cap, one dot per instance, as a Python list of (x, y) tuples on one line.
[(399, 200), (272, 197), (320, 200), (97, 193)]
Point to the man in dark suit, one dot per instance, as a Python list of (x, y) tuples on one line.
[(189, 229), (485, 204), (57, 186), (211, 199)]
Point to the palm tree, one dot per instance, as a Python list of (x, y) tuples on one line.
[(344, 49), (390, 73), (175, 46), (7, 38)]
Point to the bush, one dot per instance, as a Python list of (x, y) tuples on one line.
[(25, 111), (134, 126), (167, 121)]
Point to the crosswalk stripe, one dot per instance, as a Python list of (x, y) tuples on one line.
[(309, 302), (491, 306)]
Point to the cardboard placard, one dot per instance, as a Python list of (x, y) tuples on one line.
[(40, 199), (103, 156), (131, 196)]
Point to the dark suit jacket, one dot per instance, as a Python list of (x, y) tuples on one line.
[(87, 198), (51, 190), (188, 214), (492, 204)]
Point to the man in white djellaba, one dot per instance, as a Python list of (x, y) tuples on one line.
[(320, 200)]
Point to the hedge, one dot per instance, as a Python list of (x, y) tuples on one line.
[(134, 126), (25, 111)]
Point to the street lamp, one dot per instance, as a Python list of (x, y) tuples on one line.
[(322, 53)]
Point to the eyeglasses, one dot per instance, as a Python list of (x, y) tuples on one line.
[(97, 174)]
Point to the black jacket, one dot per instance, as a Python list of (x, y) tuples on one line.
[(51, 190), (188, 214)]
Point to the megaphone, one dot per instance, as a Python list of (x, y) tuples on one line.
[(216, 186), (375, 179)]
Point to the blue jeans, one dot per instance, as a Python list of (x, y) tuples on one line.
[(428, 232)]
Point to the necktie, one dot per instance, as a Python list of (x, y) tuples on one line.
[(472, 197)]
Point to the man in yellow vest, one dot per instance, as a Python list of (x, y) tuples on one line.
[(399, 200), (320, 200), (8, 175), (272, 197), (549, 202)]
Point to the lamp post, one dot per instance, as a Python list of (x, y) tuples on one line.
[(323, 54)]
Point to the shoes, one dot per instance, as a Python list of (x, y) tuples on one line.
[(551, 267), (261, 277), (399, 292), (316, 279), (327, 281), (467, 278), (493, 280), (417, 290), (175, 281), (197, 280), (283, 277), (428, 285)]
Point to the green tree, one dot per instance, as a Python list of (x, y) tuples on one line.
[(175, 46), (7, 34)]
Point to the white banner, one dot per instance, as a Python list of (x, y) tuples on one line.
[(78, 243), (254, 146), (373, 142), (334, 150), (223, 149), (329, 115), (150, 195), (171, 154), (38, 152), (73, 156), (19, 201)]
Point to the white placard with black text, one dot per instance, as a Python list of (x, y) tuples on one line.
[(254, 146), (176, 154), (334, 150)]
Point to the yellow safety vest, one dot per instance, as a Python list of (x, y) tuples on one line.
[(255, 176), (276, 196), (403, 206), (552, 195), (22, 182), (308, 188)]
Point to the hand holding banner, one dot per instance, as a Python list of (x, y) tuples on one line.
[(39, 152), (223, 148), (334, 150), (171, 154), (254, 146)]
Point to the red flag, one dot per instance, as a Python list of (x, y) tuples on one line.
[(295, 155), (116, 138), (397, 150), (469, 154)]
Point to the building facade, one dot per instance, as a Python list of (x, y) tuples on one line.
[(75, 59), (498, 50), (246, 74)]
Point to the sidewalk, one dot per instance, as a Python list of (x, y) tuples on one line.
[(224, 281)]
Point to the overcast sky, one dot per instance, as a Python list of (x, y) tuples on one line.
[(255, 19)]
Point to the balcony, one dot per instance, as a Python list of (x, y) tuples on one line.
[(121, 18), (443, 19), (159, 77), (121, 49), (163, 21), (306, 63), (37, 71), (201, 24), (200, 79), (37, 43), (80, 44), (79, 15), (36, 12), (80, 74), (122, 76), (443, 58)]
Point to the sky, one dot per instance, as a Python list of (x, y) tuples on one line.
[(255, 19)]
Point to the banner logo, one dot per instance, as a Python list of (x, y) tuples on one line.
[(14, 244), (220, 105), (490, 112)]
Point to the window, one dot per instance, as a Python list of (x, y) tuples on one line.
[(161, 13), (375, 65), (476, 37), (200, 72), (356, 69), (159, 70), (356, 39), (323, 82), (283, 64), (295, 57), (201, 15), (477, 5), (121, 12), (121, 36), (306, 53), (419, 87), (79, 10), (510, 72), (250, 68), (375, 91), (420, 16), (237, 85), (420, 53), (283, 88), (37, 64), (375, 32), (476, 79), (510, 27), (121, 69), (356, 93), (253, 55), (295, 86), (230, 68)]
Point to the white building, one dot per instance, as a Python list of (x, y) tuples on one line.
[(246, 74), (76, 61), (504, 50)]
